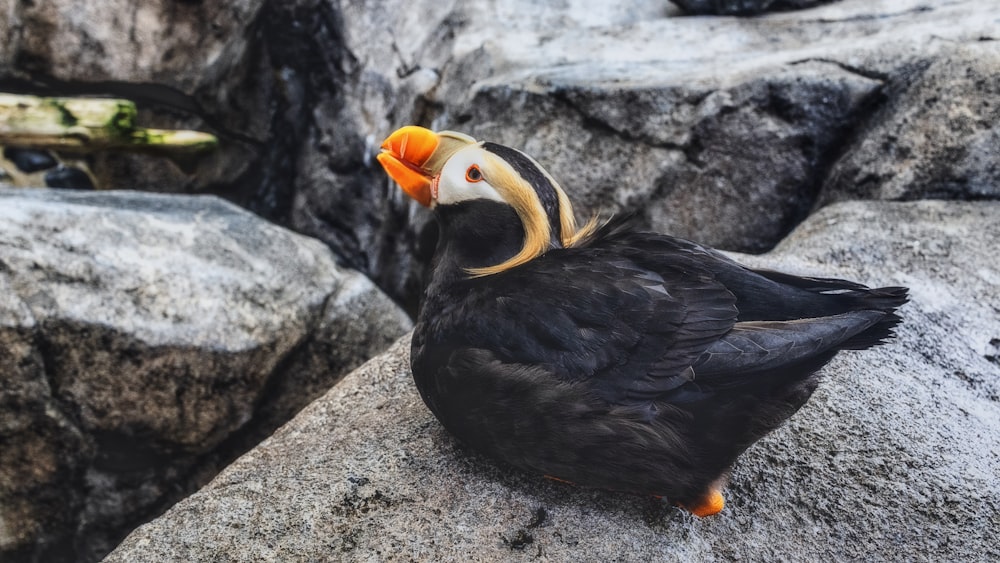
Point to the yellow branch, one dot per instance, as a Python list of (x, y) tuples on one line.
[(89, 124)]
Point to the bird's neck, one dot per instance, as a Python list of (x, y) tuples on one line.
[(475, 234)]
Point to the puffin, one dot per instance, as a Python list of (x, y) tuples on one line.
[(600, 354)]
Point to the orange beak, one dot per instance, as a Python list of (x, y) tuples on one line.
[(413, 156), (404, 155)]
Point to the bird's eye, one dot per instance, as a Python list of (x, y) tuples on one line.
[(473, 174)]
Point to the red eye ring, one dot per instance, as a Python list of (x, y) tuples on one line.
[(474, 174)]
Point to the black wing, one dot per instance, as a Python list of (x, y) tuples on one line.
[(638, 316), (594, 315)]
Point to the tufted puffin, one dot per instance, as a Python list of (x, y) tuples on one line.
[(600, 354)]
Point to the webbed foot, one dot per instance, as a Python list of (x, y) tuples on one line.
[(710, 504)]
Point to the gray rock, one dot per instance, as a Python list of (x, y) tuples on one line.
[(735, 165), (29, 168), (745, 121), (392, 62), (937, 137), (720, 129), (42, 449), (895, 456), (759, 120), (189, 65), (118, 40), (148, 337)]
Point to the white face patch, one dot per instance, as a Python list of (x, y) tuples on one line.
[(453, 184)]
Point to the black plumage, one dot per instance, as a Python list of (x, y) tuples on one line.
[(630, 361)]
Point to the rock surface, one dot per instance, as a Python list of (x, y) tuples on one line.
[(630, 105), (190, 65), (895, 457), (721, 129), (745, 125), (727, 130), (937, 138), (145, 341), (170, 43)]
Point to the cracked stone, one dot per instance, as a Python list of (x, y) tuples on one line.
[(936, 138), (722, 130), (146, 341)]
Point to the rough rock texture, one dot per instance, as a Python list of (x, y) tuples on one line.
[(720, 129), (189, 65), (895, 457), (746, 124), (734, 165), (166, 42), (631, 107), (147, 337), (937, 138)]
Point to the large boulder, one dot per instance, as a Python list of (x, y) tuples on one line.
[(147, 340), (161, 42), (631, 120), (364, 68), (937, 137), (895, 456), (720, 129), (632, 107)]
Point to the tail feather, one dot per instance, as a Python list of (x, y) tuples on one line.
[(817, 285), (880, 333), (887, 300), (883, 298), (769, 295)]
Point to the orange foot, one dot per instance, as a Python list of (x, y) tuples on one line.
[(712, 503)]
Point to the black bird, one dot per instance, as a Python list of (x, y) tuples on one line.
[(602, 355)]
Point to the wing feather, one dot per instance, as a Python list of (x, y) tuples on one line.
[(759, 346), (635, 338)]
